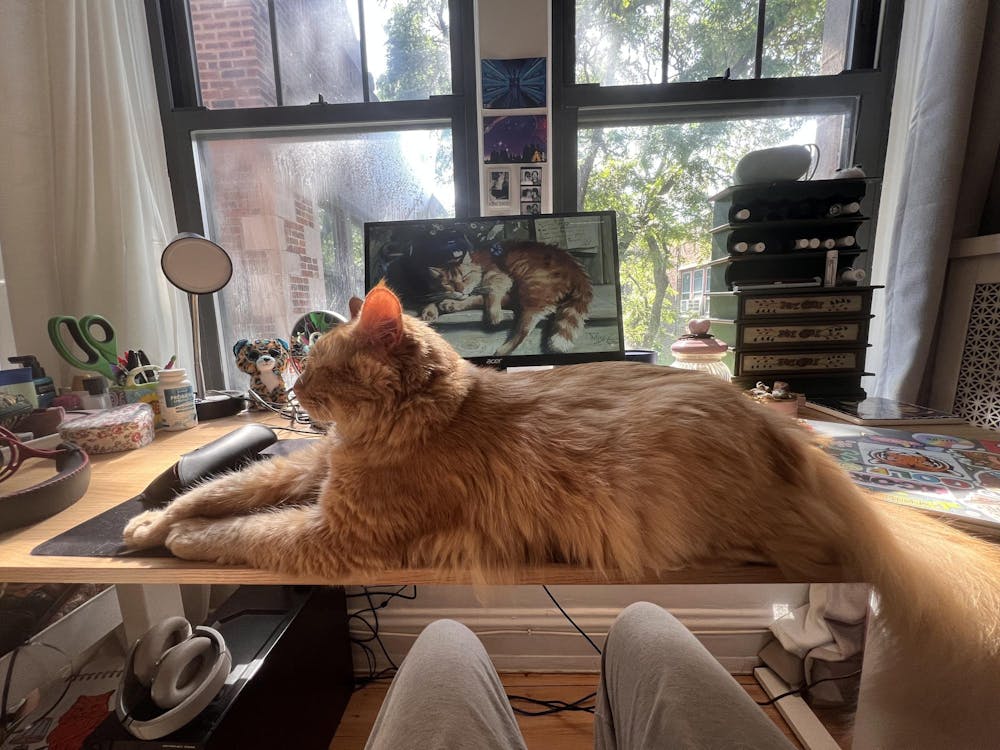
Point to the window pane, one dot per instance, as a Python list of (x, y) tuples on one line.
[(232, 41), (619, 42), (290, 212), (658, 178), (409, 48), (706, 38), (805, 38), (319, 51)]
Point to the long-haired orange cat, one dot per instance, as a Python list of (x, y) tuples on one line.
[(435, 463)]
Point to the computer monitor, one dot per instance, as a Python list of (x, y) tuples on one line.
[(507, 291)]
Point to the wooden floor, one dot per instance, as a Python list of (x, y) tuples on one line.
[(563, 731)]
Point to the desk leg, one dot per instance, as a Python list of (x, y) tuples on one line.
[(144, 605), (869, 729)]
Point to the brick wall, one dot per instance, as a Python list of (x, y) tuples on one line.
[(233, 48)]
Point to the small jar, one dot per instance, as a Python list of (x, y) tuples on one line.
[(97, 393), (700, 350), (176, 395)]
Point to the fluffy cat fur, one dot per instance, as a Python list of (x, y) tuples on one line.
[(589, 465), (532, 279)]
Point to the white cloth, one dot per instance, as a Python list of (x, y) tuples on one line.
[(85, 205)]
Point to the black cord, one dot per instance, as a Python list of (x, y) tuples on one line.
[(804, 688), (578, 629), (552, 707), (373, 628), (557, 706)]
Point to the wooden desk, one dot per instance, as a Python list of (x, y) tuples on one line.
[(119, 476)]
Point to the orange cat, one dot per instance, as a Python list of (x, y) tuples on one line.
[(615, 466), (532, 279)]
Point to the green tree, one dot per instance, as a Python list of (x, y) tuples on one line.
[(658, 177), (418, 50)]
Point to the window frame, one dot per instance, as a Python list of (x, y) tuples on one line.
[(866, 85), (183, 117)]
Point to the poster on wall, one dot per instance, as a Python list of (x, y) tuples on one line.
[(498, 192), (514, 84), (514, 139)]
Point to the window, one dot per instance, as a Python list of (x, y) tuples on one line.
[(656, 101), (261, 53), (289, 124)]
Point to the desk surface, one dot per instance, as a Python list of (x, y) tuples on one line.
[(119, 476)]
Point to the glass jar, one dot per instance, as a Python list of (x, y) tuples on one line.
[(700, 350)]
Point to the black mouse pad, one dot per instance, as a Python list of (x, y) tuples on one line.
[(101, 536)]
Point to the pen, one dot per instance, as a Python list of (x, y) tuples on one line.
[(144, 361), (173, 358)]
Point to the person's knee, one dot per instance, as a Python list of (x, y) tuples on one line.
[(442, 639), (643, 625)]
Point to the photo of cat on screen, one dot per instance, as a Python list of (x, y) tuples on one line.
[(544, 288)]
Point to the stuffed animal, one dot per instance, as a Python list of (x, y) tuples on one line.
[(264, 360)]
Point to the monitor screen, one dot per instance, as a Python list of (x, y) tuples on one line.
[(507, 291)]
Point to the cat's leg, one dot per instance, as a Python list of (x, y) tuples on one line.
[(296, 540), (472, 302), (497, 296), (430, 312), (287, 479), (523, 325)]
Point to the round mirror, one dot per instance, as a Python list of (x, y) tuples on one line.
[(196, 264), (306, 330)]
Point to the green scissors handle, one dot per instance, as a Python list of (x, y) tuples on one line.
[(101, 351)]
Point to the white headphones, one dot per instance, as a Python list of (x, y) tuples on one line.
[(171, 675)]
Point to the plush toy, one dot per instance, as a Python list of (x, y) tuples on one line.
[(264, 360)]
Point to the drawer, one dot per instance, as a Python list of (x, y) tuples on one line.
[(788, 362), (793, 334)]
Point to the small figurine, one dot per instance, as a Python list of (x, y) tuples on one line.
[(778, 397), (264, 360)]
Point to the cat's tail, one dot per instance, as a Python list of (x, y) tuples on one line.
[(570, 317), (936, 680)]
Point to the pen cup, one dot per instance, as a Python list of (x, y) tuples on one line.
[(133, 393)]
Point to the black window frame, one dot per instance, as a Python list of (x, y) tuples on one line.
[(183, 115), (865, 86)]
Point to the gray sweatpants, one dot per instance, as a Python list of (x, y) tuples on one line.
[(659, 688)]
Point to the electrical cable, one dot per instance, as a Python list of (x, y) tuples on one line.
[(373, 627), (557, 706), (805, 688)]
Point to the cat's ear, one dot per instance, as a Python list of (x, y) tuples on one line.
[(382, 317), (354, 305), (437, 273)]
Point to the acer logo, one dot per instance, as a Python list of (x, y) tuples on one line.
[(494, 361)]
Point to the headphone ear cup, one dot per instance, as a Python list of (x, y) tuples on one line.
[(155, 643), (182, 671)]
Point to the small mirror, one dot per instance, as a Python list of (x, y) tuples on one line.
[(307, 329), (196, 264)]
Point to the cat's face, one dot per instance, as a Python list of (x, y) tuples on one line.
[(379, 364), (457, 280)]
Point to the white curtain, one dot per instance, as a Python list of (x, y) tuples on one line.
[(85, 206), (942, 145)]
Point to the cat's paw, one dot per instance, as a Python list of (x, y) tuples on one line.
[(429, 313), (494, 318), (147, 529), (205, 539), (448, 305)]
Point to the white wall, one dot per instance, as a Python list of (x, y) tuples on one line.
[(523, 631)]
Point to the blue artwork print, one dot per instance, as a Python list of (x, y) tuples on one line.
[(514, 84), (514, 139)]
